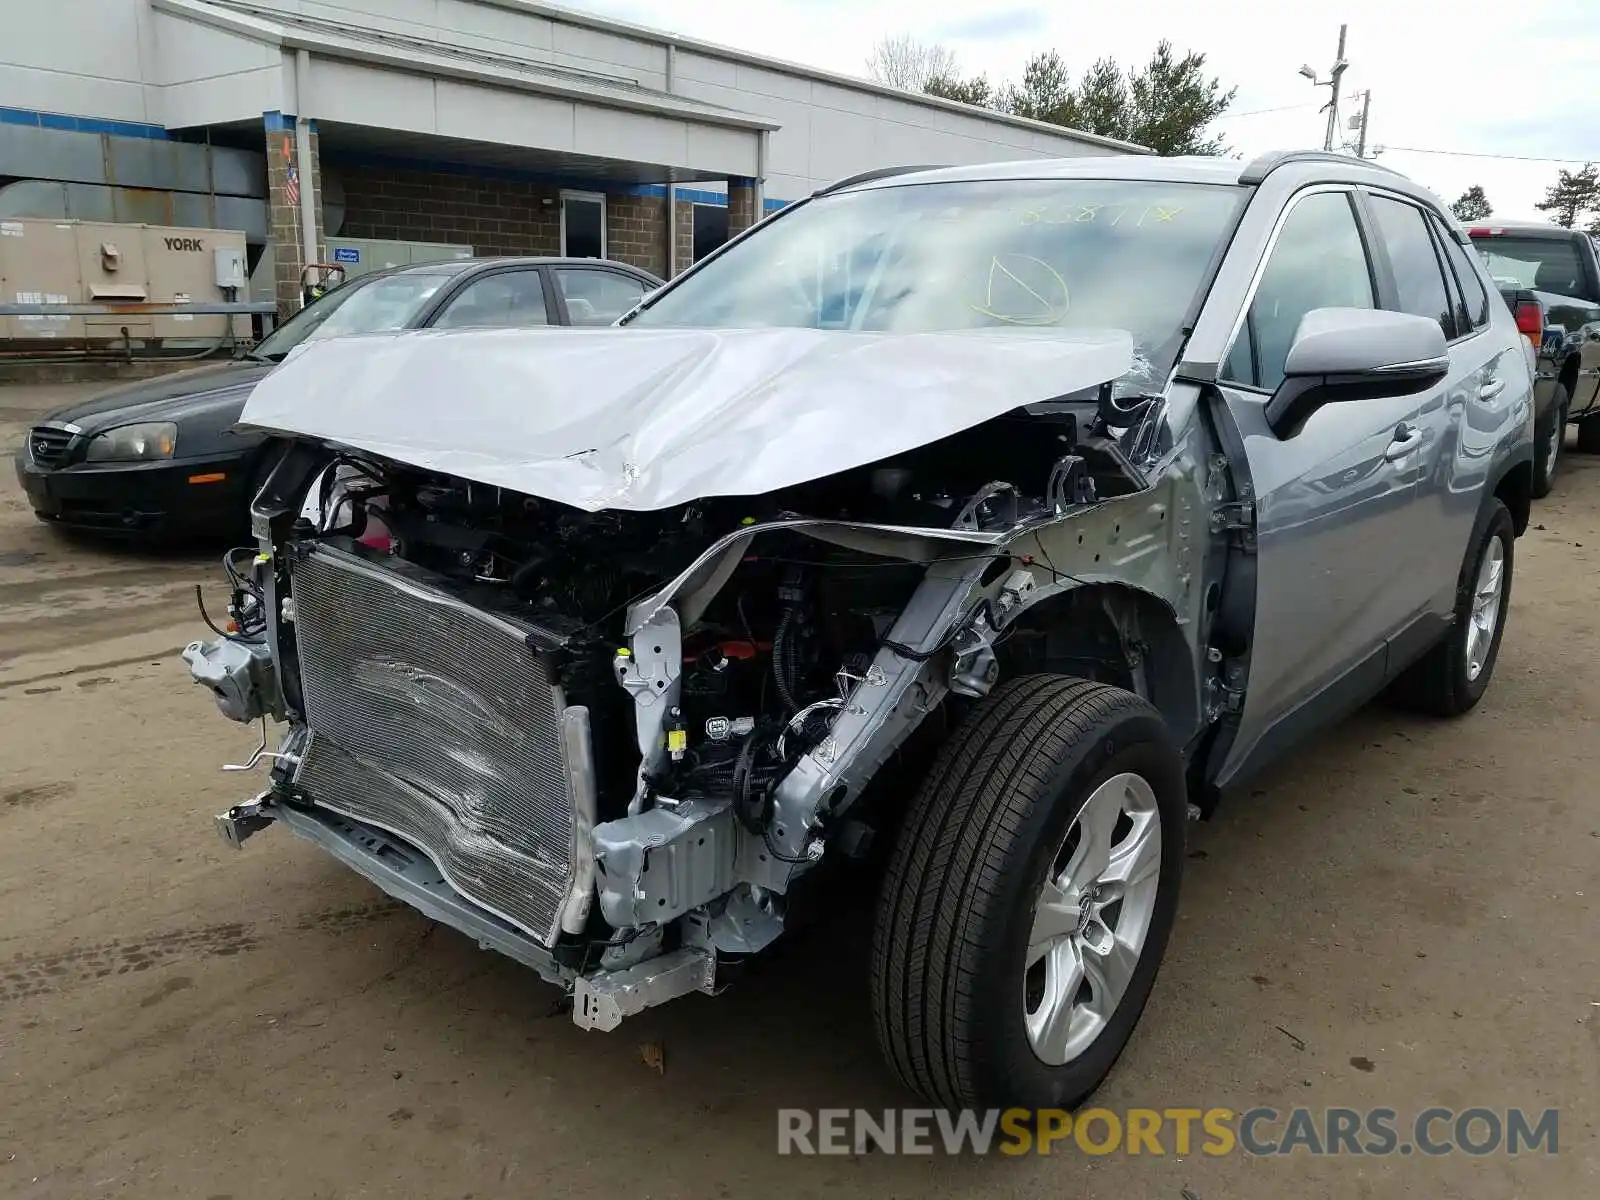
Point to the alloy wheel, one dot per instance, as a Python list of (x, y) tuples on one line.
[(1092, 919), (1486, 594)]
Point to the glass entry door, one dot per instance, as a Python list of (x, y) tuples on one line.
[(583, 224)]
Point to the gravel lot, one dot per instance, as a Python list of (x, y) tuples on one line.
[(1403, 916)]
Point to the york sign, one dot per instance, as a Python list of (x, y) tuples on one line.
[(183, 243)]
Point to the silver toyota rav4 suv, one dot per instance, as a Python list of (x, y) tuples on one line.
[(973, 528)]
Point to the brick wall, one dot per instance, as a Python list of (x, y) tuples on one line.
[(636, 229), (284, 216), (685, 234), (493, 216), (741, 206)]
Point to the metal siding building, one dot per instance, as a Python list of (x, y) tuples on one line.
[(510, 126)]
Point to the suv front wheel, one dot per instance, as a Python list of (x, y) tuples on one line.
[(1029, 896)]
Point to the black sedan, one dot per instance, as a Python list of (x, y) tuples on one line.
[(163, 457)]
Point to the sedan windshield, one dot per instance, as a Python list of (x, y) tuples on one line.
[(1064, 253), (379, 304)]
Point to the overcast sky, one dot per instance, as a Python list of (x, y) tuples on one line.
[(1470, 76)]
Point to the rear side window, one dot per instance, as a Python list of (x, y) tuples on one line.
[(595, 296), (1467, 275), (1318, 261), (1417, 273)]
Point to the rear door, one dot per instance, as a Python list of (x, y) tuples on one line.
[(1336, 526), (1462, 419)]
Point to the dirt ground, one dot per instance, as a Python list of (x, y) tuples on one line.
[(1403, 916)]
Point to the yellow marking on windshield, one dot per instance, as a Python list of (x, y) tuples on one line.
[(1049, 313), (1083, 214)]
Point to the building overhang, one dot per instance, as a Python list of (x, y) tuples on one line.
[(384, 91)]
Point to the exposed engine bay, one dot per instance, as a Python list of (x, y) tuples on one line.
[(609, 742), (775, 652)]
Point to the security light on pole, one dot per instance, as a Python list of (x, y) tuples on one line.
[(1335, 74)]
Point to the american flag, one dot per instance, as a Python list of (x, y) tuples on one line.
[(291, 182)]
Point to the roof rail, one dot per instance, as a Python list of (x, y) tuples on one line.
[(869, 176), (1269, 162)]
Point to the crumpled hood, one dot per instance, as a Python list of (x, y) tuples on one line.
[(646, 419)]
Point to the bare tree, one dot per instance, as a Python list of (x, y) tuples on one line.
[(906, 63)]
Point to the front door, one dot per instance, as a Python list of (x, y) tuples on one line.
[(1335, 519)]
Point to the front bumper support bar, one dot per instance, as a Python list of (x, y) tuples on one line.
[(600, 1000), (400, 870)]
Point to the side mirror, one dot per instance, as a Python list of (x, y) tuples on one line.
[(1343, 354)]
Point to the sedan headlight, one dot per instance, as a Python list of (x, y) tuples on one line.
[(135, 443)]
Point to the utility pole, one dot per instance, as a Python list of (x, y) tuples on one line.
[(1333, 100), (1335, 74), (1366, 109)]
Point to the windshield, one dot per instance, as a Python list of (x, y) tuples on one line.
[(1070, 254), (375, 305), (1544, 264)]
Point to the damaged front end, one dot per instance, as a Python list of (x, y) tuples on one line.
[(610, 742)]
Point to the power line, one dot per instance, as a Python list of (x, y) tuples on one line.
[(1481, 154), (1256, 112)]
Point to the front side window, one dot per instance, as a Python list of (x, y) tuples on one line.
[(1318, 261), (1417, 274), (507, 298), (1064, 253)]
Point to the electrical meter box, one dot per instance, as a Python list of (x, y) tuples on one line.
[(359, 256), (230, 268), (45, 261)]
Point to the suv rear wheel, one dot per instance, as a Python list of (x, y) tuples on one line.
[(1029, 896), (1452, 677), (1547, 443)]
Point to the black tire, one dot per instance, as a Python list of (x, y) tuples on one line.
[(1548, 440), (965, 875), (1589, 435), (1439, 682)]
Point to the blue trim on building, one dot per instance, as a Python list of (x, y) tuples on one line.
[(281, 122), (443, 166), (72, 124)]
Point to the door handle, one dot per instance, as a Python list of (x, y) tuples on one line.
[(1406, 439), (1491, 389)]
